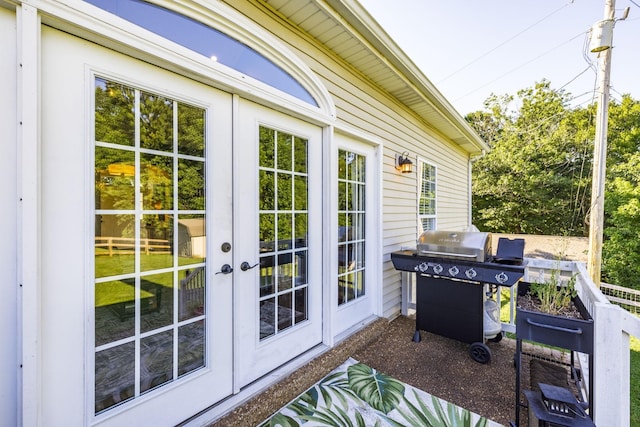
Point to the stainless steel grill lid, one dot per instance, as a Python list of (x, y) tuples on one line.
[(475, 246)]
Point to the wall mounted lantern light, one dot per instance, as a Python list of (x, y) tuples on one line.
[(404, 163)]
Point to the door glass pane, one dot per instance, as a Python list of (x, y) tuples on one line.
[(283, 218), (150, 241), (351, 226), (190, 347)]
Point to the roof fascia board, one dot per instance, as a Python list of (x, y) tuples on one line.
[(358, 18)]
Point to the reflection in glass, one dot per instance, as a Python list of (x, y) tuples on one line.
[(300, 191), (191, 344), (285, 311), (351, 225), (156, 360), (301, 305), (156, 301), (267, 232), (286, 271), (192, 239), (283, 234), (300, 155), (114, 376), (267, 152), (114, 245), (114, 310), (300, 230), (301, 268), (267, 191), (285, 191), (115, 174), (285, 227), (191, 293), (156, 181), (266, 275), (156, 242), (148, 261), (267, 318), (206, 41), (156, 122), (284, 151), (191, 185), (114, 118), (191, 122)]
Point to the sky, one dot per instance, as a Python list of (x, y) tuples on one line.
[(470, 49)]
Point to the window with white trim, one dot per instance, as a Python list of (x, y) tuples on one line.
[(426, 197)]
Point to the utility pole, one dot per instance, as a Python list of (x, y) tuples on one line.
[(596, 222)]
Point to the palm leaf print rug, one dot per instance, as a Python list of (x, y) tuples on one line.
[(356, 395)]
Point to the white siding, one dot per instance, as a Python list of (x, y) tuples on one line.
[(363, 106), (8, 221)]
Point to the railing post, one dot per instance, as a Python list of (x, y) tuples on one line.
[(611, 392)]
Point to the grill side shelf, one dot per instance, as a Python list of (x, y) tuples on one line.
[(479, 272)]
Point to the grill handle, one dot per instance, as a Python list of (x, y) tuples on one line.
[(448, 254), (555, 328)]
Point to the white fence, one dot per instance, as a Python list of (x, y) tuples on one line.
[(612, 328)]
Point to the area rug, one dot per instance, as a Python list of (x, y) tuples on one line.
[(356, 395)]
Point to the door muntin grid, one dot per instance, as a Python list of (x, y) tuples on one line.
[(351, 226), (283, 229), (150, 239)]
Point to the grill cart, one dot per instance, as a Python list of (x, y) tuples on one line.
[(456, 277)]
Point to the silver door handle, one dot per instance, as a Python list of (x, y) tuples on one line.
[(225, 269), (246, 266)]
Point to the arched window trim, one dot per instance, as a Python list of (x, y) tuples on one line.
[(230, 22)]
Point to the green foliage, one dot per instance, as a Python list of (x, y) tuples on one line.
[(537, 178), (554, 296), (621, 251), (378, 390)]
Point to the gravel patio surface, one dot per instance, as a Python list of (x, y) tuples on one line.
[(437, 365)]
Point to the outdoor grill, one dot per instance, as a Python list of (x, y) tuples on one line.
[(456, 276)]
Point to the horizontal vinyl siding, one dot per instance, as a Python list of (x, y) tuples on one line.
[(361, 105)]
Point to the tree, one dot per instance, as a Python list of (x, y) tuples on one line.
[(535, 178), (621, 248)]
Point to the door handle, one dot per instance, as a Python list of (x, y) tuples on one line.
[(225, 269), (246, 266)]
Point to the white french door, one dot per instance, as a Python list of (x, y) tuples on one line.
[(278, 229), (182, 240), (136, 221)]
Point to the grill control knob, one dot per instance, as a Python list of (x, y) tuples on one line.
[(502, 278), (437, 269), (423, 267), (454, 271), (470, 273)]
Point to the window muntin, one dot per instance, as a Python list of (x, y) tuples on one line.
[(149, 286), (206, 41), (284, 227), (427, 197), (351, 226)]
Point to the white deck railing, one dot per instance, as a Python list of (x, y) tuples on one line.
[(612, 328)]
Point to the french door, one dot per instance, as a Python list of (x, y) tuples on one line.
[(182, 239), (278, 226), (136, 222)]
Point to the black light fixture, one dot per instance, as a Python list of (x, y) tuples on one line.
[(404, 163)]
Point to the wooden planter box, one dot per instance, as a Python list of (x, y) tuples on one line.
[(559, 331)]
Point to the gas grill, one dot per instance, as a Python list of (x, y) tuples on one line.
[(455, 272)]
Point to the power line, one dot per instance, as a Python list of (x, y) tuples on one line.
[(518, 67), (503, 43)]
